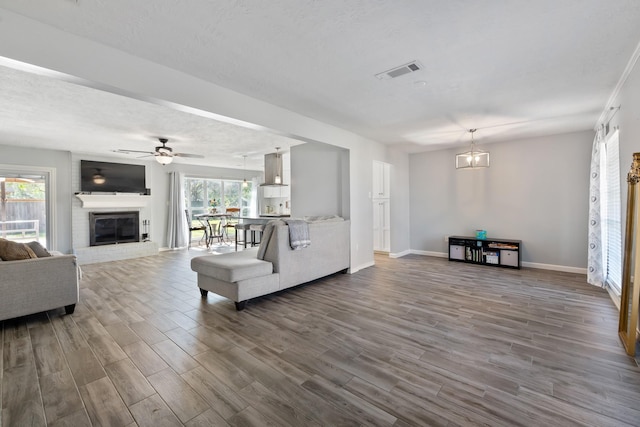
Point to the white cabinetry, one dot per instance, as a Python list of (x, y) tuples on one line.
[(381, 225), (381, 207), (381, 172), (271, 192), (275, 200)]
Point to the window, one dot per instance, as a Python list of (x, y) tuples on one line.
[(204, 194), (25, 211), (611, 216)]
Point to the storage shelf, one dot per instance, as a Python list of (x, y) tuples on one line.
[(492, 252)]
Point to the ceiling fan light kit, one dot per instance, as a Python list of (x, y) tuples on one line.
[(98, 178), (474, 158), (163, 154), (164, 159)]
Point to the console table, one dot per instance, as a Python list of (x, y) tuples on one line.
[(495, 252)]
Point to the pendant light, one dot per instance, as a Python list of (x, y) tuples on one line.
[(278, 178), (474, 158), (245, 184)]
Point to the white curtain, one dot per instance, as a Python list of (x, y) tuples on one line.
[(595, 267), (177, 223)]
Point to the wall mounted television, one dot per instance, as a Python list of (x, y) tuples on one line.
[(105, 177)]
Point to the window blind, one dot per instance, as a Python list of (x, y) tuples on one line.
[(612, 217)]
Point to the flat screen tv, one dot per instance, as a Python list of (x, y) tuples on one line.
[(99, 177)]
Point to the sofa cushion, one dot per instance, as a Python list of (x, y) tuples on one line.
[(232, 266), (13, 251), (38, 249)]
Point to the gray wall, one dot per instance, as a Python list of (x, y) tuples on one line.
[(319, 180), (536, 190), (61, 162)]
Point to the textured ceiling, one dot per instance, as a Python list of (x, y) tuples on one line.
[(511, 69), (52, 113)]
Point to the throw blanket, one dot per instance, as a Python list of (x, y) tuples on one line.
[(298, 234)]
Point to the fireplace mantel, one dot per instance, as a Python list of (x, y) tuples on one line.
[(117, 200)]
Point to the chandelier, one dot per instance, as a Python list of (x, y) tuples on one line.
[(474, 158)]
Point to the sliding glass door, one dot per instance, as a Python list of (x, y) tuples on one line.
[(25, 212)]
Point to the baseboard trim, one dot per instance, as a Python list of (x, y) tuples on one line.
[(361, 267), (430, 253), (563, 268), (614, 297), (399, 254), (537, 265)]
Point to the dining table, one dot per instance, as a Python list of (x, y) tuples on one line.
[(214, 229), (214, 222)]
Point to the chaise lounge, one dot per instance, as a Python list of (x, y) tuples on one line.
[(275, 266)]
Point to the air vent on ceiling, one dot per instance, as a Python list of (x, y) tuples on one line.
[(400, 71)]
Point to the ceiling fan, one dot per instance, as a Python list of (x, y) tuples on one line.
[(163, 154)]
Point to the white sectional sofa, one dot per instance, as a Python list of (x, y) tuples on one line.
[(241, 276)]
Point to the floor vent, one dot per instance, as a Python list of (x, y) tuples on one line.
[(400, 71)]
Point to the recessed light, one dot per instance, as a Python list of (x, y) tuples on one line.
[(420, 83)]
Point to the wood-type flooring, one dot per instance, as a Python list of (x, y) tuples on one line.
[(414, 341)]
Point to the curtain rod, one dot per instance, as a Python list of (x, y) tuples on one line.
[(606, 116)]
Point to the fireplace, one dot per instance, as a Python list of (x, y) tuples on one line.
[(109, 228)]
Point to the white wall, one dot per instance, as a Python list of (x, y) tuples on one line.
[(320, 181), (627, 119), (536, 190), (61, 162)]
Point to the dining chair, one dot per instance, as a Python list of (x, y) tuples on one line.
[(231, 221), (193, 228), (215, 230)]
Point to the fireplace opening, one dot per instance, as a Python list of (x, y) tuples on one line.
[(109, 228)]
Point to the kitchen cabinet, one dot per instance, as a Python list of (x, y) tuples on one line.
[(275, 200), (270, 192)]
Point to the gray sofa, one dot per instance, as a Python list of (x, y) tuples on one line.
[(38, 284), (241, 276)]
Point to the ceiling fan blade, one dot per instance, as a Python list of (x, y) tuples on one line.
[(195, 156), (132, 151)]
